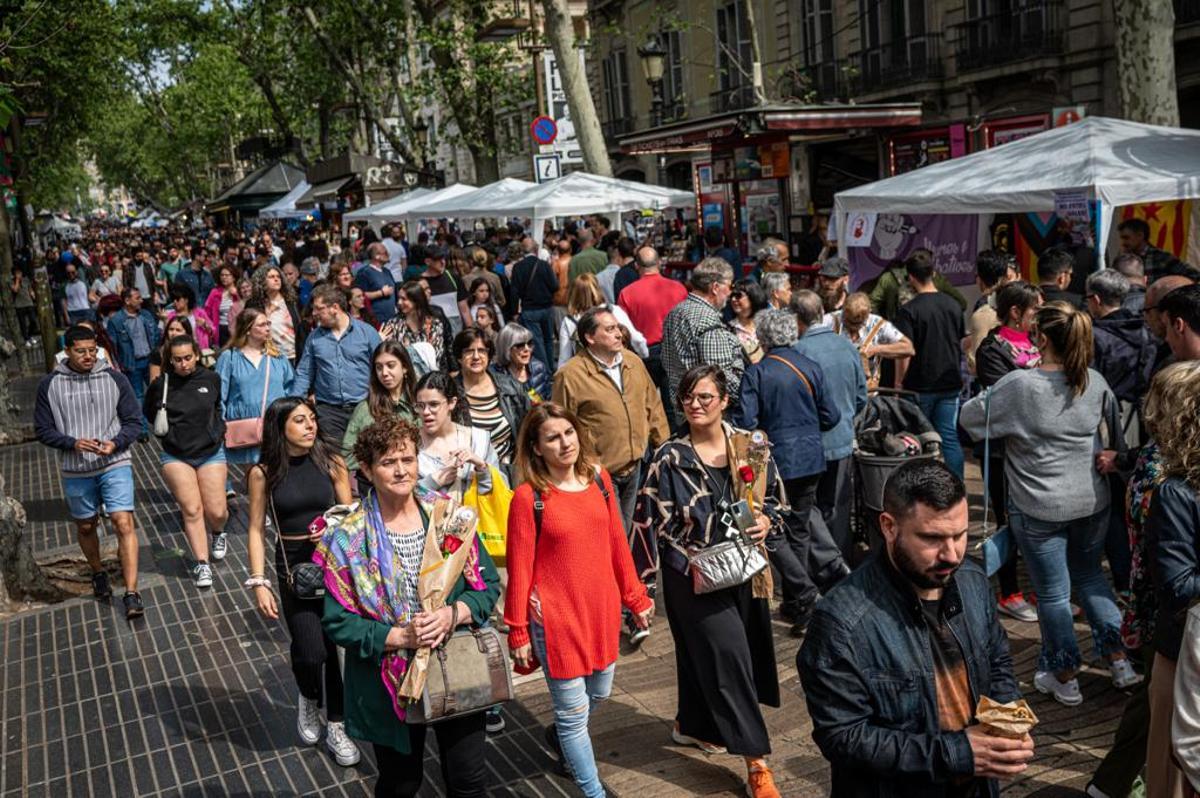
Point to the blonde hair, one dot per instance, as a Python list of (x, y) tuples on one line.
[(1068, 333), (245, 320), (1171, 414), (584, 295), (856, 309)]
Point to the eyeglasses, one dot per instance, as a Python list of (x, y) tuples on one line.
[(475, 352), (523, 345), (737, 294), (421, 407), (704, 399)]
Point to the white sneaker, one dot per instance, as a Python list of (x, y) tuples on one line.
[(220, 544), (1066, 693), (342, 747), (1123, 674), (308, 721), (203, 574)]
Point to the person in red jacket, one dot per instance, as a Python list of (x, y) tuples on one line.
[(566, 583)]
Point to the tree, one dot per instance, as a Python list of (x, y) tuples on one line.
[(561, 32), (1145, 42)]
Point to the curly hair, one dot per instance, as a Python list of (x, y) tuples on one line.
[(258, 291), (1171, 414), (383, 436)]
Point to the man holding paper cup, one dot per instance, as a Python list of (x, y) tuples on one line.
[(905, 667)]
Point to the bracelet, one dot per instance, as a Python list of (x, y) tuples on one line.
[(257, 581)]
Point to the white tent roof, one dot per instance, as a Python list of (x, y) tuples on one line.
[(494, 199), (285, 206), (1117, 162), (581, 192), (384, 210)]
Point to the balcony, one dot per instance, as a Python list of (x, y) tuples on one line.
[(616, 127), (1028, 30), (1187, 12), (901, 62), (732, 99)]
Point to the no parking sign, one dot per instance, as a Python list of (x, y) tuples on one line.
[(544, 130)]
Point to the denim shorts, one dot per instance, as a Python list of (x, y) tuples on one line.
[(112, 488), (195, 462)]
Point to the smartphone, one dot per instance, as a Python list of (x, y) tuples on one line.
[(742, 518)]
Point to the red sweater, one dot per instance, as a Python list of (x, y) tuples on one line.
[(583, 571)]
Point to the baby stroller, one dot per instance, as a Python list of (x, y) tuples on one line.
[(890, 431)]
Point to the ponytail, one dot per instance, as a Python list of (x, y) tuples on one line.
[(1068, 332)]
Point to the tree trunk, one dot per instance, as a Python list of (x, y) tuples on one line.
[(561, 33), (1146, 61), (756, 71), (6, 294), (21, 578), (46, 326), (487, 165)]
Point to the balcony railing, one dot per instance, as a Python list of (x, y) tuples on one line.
[(1028, 30), (913, 59), (1187, 12), (732, 99)]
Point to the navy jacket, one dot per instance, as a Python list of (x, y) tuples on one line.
[(775, 400), (1173, 543), (1124, 353), (866, 666), (120, 336)]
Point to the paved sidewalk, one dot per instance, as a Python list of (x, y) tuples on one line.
[(197, 697)]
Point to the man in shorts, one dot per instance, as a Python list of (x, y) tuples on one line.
[(89, 412)]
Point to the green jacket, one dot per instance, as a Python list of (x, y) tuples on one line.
[(369, 713), (892, 290), (590, 260), (360, 419)]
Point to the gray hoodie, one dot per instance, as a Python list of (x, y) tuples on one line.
[(97, 405)]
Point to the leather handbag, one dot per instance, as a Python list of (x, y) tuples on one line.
[(724, 565), (468, 673), (242, 433), (306, 580), (161, 427)]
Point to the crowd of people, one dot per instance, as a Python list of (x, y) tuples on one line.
[(695, 439)]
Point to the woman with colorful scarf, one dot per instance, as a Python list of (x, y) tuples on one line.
[(371, 559)]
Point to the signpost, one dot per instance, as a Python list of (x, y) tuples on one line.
[(547, 167), (544, 130)]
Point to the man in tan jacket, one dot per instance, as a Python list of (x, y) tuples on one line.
[(617, 403)]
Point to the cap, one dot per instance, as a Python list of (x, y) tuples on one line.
[(309, 268), (835, 267)]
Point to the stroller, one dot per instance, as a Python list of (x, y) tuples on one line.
[(890, 431)]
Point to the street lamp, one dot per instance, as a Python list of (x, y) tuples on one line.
[(654, 61)]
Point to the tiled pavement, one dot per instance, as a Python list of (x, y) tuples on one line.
[(197, 698)]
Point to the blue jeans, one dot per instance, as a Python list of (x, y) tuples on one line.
[(139, 378), (574, 700), (540, 323), (1059, 555), (942, 411)]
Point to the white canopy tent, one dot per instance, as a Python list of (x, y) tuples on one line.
[(582, 193), (1112, 160), (384, 211), (494, 199), (285, 206), (414, 209)]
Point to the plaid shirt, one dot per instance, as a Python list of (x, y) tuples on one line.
[(693, 334)]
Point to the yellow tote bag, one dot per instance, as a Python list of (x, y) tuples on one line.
[(493, 514)]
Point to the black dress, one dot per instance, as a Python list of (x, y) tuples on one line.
[(724, 646)]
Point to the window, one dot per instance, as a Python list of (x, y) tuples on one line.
[(673, 92), (893, 34), (616, 86), (817, 32), (734, 57)]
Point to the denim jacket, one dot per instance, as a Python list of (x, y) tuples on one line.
[(867, 670), (119, 334)]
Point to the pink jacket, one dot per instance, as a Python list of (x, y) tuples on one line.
[(212, 306), (207, 336)]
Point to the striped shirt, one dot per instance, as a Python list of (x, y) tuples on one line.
[(99, 405), (486, 414)]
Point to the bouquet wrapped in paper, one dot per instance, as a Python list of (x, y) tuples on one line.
[(451, 551), (749, 454), (1012, 720)]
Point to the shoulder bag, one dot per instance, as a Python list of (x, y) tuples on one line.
[(306, 580), (726, 564), (796, 371), (872, 373), (242, 433), (161, 426)]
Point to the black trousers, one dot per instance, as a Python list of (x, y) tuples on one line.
[(834, 500), (27, 319), (333, 420), (460, 749), (1127, 756), (998, 493), (313, 655), (791, 555), (658, 374), (724, 662)]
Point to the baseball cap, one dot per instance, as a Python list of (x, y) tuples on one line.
[(835, 267)]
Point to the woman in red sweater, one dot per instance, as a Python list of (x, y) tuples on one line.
[(566, 583)]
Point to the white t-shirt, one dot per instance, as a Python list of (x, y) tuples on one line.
[(77, 295), (396, 258)]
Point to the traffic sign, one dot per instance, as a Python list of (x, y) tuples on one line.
[(547, 167), (544, 130)]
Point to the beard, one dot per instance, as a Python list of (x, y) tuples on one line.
[(832, 299), (923, 578)]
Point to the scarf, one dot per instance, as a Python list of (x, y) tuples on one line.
[(365, 573)]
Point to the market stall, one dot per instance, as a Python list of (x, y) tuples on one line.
[(1083, 177), (285, 206)]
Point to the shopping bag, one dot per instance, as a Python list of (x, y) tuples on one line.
[(492, 509)]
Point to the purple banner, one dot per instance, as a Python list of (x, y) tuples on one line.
[(952, 238)]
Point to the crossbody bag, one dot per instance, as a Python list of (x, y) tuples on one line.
[(242, 433), (161, 426), (306, 580)]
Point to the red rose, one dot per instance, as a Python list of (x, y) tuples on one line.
[(746, 473), (451, 544)]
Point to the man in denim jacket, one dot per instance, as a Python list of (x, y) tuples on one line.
[(899, 653)]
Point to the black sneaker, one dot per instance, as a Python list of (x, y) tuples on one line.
[(133, 606), (493, 721), (100, 586), (800, 621)]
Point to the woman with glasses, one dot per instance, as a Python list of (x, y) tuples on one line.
[(724, 653), (745, 300), (495, 402), (514, 357), (451, 452)]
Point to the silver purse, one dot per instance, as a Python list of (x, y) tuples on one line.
[(728, 564)]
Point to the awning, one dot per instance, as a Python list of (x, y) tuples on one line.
[(702, 134), (325, 192)]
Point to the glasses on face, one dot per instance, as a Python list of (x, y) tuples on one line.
[(705, 400), (737, 294), (432, 407), (475, 352)]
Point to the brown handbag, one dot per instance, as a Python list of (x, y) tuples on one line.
[(245, 432), (468, 673)]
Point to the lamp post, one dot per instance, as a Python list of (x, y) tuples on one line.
[(654, 59), (420, 127)]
